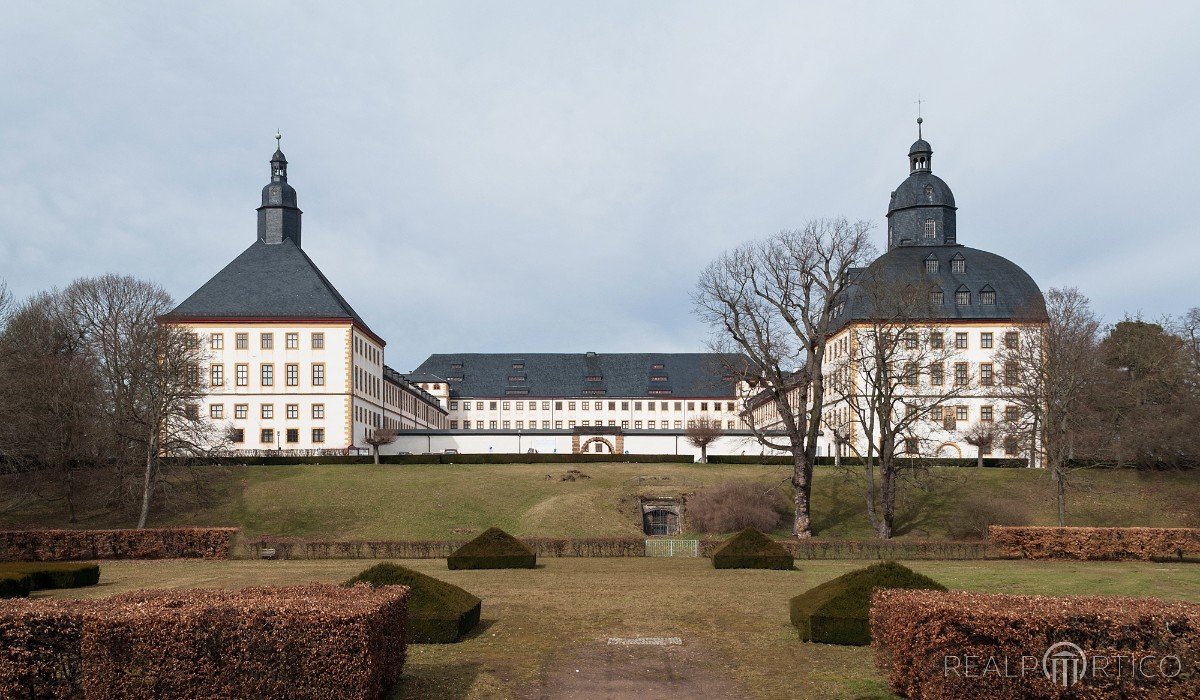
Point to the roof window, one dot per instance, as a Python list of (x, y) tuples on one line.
[(987, 296), (958, 264), (962, 297), (931, 264)]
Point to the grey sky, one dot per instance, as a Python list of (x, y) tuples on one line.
[(553, 176)]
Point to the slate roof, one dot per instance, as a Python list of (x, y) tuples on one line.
[(567, 374), (911, 192), (1017, 295), (268, 281)]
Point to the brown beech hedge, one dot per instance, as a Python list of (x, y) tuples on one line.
[(1106, 543), (314, 641), (937, 645), (71, 545)]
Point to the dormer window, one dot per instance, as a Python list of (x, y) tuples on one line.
[(929, 192), (931, 265), (657, 365), (958, 264), (937, 297), (930, 229), (962, 297), (987, 296)]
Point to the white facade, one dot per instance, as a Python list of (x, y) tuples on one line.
[(565, 413)]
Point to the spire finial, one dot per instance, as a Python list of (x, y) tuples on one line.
[(918, 103), (278, 138), (920, 121)]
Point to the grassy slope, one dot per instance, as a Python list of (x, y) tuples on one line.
[(441, 501), (543, 623)]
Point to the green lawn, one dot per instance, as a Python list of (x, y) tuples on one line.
[(458, 501), (545, 631)]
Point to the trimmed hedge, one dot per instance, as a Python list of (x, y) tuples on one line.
[(751, 549), (49, 575), (835, 612), (438, 612), (937, 645), (992, 462), (73, 545), (15, 585), (1091, 543), (493, 549), (315, 641)]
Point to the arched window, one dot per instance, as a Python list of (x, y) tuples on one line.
[(930, 229), (931, 264)]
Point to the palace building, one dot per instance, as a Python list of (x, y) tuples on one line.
[(290, 364), (975, 304)]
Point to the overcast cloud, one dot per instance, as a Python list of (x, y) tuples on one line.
[(553, 176)]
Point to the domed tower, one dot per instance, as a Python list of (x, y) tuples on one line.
[(921, 211), (278, 217)]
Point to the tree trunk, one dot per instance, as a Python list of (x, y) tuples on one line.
[(70, 494), (147, 487), (704, 454), (887, 497), (869, 473), (979, 461), (802, 485), (1060, 489), (375, 450)]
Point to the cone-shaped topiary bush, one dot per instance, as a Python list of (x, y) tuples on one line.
[(47, 574), (750, 549), (493, 549), (438, 612), (835, 612)]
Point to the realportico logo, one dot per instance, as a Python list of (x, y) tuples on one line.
[(1063, 664)]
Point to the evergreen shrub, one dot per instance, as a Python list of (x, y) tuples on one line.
[(438, 612), (751, 549), (493, 549), (836, 611), (48, 575)]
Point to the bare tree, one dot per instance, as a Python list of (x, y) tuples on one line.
[(981, 436), (703, 432), (887, 380), (1048, 373), (149, 372), (50, 416), (771, 303), (378, 437)]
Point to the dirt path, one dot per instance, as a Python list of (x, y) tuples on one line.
[(614, 672)]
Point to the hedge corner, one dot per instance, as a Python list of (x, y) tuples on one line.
[(438, 612), (493, 549), (751, 549), (836, 612)]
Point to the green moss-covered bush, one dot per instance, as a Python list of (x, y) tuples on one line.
[(46, 575), (751, 549), (493, 549), (438, 612), (13, 585), (835, 612)]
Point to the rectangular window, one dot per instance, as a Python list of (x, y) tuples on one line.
[(958, 266), (678, 406), (985, 374), (521, 405), (454, 425), (454, 405), (910, 373), (266, 435), (911, 446), (545, 425), (729, 407), (937, 374), (318, 435), (242, 341), (1011, 340), (1012, 374), (985, 414), (637, 425), (652, 425), (624, 424), (292, 340), (240, 410), (216, 411), (520, 425), (987, 297), (505, 405), (242, 374), (478, 405), (216, 341), (985, 341), (910, 341), (492, 424), (962, 297), (1011, 414), (936, 297), (293, 375), (492, 405), (960, 413), (267, 373), (318, 343), (557, 425), (545, 405), (318, 411), (268, 410), (931, 266), (293, 435), (318, 374), (570, 405), (267, 341), (960, 341), (935, 413), (961, 373), (217, 375), (558, 405), (937, 341), (637, 405), (506, 424), (293, 411), (237, 435)]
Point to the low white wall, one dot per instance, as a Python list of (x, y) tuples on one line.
[(556, 442)]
